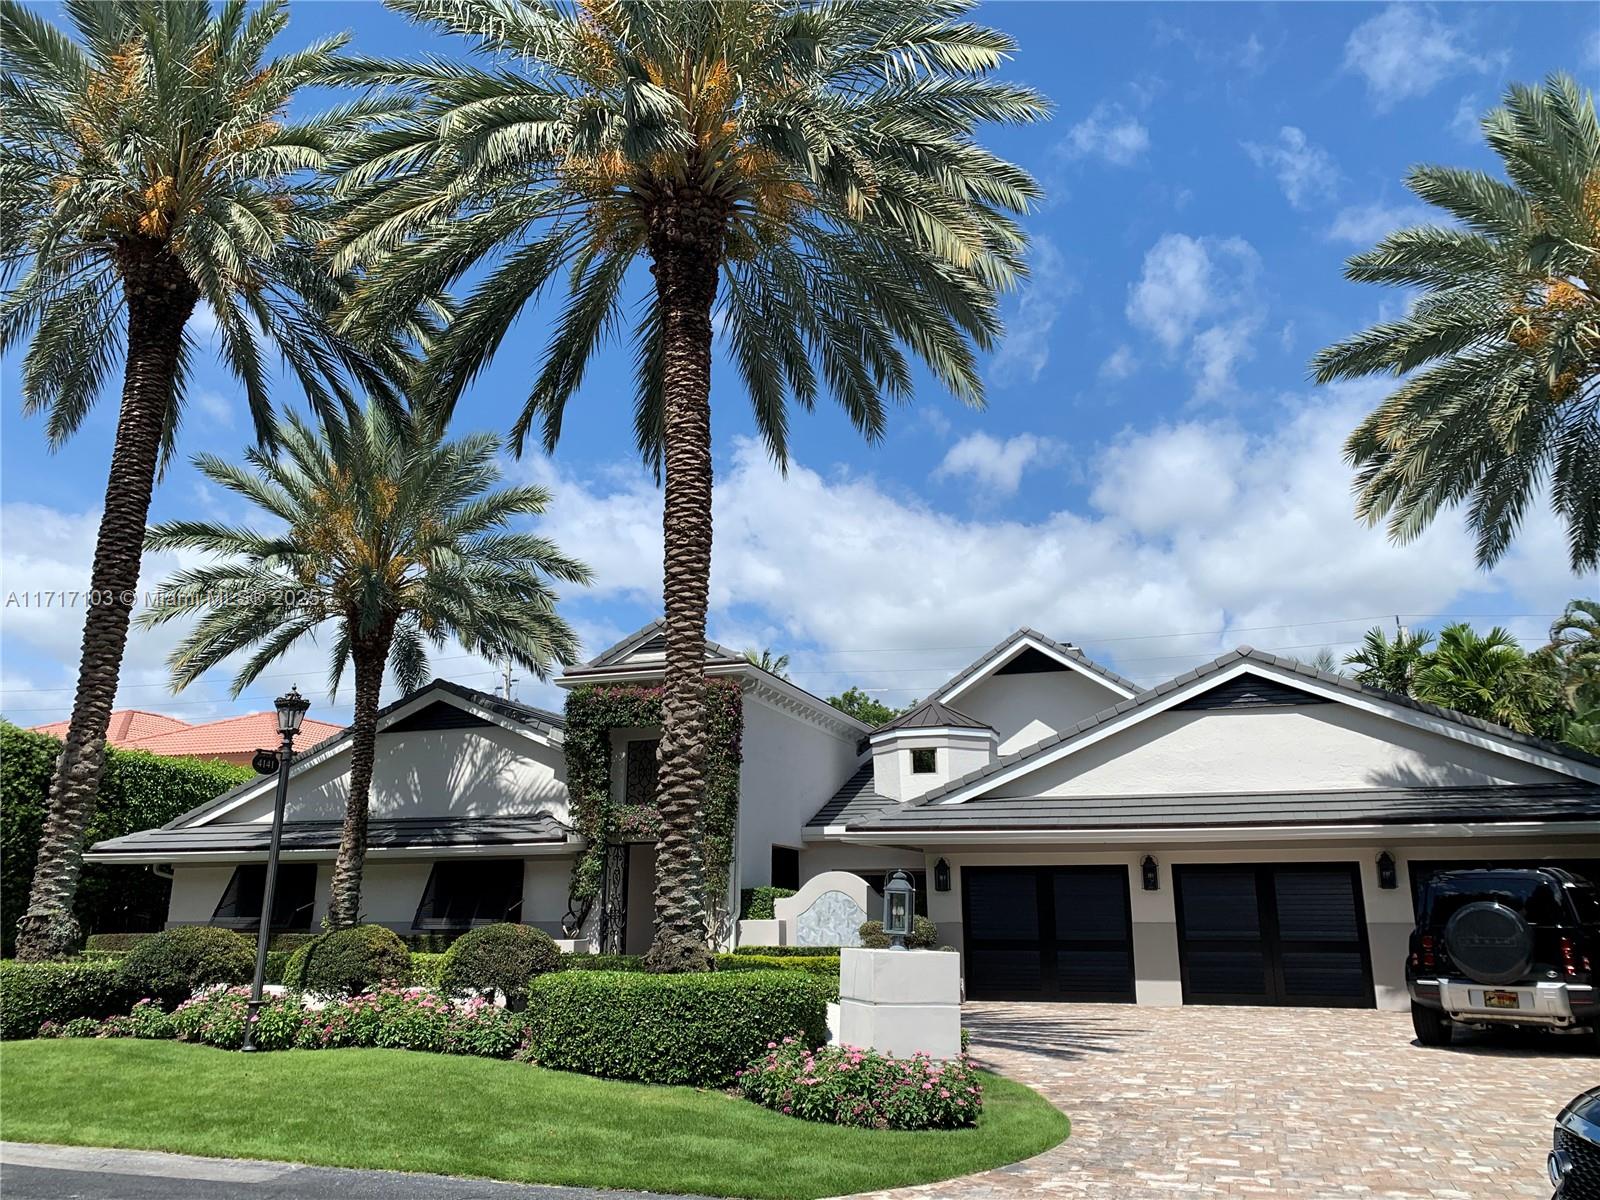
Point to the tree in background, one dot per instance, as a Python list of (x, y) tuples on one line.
[(805, 178), (1573, 656), (1391, 665), (396, 538), (147, 168), (765, 659), (865, 708), (1499, 355)]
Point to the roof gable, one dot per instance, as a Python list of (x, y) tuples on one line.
[(649, 645), (1028, 651)]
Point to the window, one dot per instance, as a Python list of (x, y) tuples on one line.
[(924, 760), (240, 906), (639, 779), (467, 892), (786, 867)]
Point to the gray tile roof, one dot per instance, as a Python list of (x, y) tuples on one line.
[(1161, 690), (1387, 806), (399, 834), (614, 654), (852, 803), (930, 714), (1063, 649)]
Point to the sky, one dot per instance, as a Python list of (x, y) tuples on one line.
[(1154, 478)]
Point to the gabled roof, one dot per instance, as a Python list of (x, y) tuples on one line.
[(1153, 699), (1068, 655), (648, 639), (232, 735), (931, 714)]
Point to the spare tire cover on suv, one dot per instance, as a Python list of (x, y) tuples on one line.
[(1490, 942)]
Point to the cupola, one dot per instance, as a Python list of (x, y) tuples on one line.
[(926, 748)]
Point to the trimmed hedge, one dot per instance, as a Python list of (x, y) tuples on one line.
[(788, 951), (677, 1029), (172, 966), (349, 961), (755, 904), (499, 958), (601, 962), (426, 968), (823, 968), (33, 993), (137, 791)]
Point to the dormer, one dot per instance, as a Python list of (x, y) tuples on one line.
[(926, 748)]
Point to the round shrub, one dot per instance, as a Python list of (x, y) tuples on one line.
[(679, 1029), (175, 964), (499, 958), (924, 934), (349, 961)]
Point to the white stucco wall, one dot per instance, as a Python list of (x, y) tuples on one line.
[(1026, 709), (790, 768), (1321, 747), (956, 754), (433, 773)]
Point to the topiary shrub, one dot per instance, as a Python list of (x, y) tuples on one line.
[(349, 961), (499, 958), (33, 993), (924, 934), (677, 1029), (175, 964), (426, 969)]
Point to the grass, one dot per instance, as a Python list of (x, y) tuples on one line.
[(406, 1111)]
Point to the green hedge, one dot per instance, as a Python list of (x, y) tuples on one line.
[(676, 1029), (601, 962), (349, 961), (32, 993), (427, 970), (788, 951), (173, 966), (755, 904), (138, 791), (824, 968)]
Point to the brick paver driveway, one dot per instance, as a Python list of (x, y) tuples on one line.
[(1282, 1104)]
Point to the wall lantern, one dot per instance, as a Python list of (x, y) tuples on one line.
[(1150, 873), (898, 896), (941, 876), (1388, 876)]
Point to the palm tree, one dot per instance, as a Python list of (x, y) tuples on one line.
[(1575, 647), (394, 536), (1500, 355), (1486, 675), (146, 168), (803, 177), (1391, 665), (764, 658)]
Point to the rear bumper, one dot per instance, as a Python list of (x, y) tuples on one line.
[(1558, 1005)]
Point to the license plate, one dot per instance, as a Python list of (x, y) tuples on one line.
[(1501, 1000)]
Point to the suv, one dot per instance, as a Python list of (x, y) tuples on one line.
[(1506, 947), (1575, 1158)]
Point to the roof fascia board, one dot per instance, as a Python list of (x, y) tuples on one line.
[(954, 731), (482, 849), (1025, 642), (1231, 834)]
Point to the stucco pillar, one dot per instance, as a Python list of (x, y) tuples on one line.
[(901, 1002)]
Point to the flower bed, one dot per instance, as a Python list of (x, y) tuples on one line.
[(843, 1085)]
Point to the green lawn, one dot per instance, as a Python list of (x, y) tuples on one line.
[(407, 1111)]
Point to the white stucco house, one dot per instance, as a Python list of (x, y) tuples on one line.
[(1252, 831)]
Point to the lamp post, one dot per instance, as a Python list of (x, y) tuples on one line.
[(898, 894), (291, 712)]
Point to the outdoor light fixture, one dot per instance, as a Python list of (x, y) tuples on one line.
[(1388, 877), (291, 712), (1150, 873), (898, 895), (941, 876)]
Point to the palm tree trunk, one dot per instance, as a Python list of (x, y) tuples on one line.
[(160, 298), (685, 246), (369, 654)]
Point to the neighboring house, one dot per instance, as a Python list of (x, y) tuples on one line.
[(232, 739), (1252, 831)]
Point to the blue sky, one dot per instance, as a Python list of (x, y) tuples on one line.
[(1154, 477)]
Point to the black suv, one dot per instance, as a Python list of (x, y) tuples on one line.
[(1506, 947), (1575, 1158)]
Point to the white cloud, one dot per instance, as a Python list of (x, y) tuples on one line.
[(1406, 51), (1198, 297), (1367, 224), (996, 466), (1120, 364), (1109, 132), (1025, 349), (217, 408), (1467, 124), (1305, 172)]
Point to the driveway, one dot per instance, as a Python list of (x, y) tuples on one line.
[(1278, 1104)]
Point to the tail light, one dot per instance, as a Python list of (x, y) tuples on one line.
[(1571, 960), (1427, 950)]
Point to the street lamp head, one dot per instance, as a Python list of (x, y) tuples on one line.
[(291, 711), (899, 893)]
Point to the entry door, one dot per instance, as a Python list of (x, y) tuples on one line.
[(1273, 935), (1047, 933)]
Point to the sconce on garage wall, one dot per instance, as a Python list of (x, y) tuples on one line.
[(1388, 874), (941, 876), (1150, 873)]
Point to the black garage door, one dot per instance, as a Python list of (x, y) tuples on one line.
[(1271, 934), (1047, 933)]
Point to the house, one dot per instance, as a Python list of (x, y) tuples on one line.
[(231, 740), (1252, 831)]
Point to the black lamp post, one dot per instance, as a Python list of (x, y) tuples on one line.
[(898, 895), (291, 712)]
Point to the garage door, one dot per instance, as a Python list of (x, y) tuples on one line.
[(1273, 934), (1047, 933)]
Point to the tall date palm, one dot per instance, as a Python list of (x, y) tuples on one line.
[(146, 169), (395, 537), (803, 176)]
